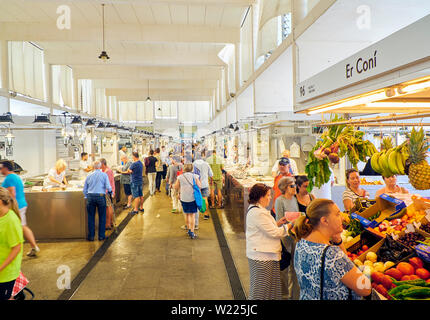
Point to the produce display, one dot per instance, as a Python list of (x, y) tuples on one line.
[(361, 204), (425, 227), (412, 239), (336, 142), (391, 161), (364, 182)]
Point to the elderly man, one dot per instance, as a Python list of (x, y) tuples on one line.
[(109, 197), (95, 187), (293, 165)]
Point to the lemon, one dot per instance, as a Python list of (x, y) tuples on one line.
[(358, 263), (368, 263), (371, 256)]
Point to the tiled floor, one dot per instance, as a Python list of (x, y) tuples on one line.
[(151, 259)]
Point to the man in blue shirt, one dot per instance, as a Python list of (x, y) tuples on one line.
[(95, 187), (136, 171), (14, 185)]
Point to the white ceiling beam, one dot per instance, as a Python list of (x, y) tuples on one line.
[(166, 98), (143, 73), (19, 31), (167, 58), (156, 92), (154, 84), (234, 3)]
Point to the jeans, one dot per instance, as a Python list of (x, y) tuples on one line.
[(164, 171), (158, 180), (95, 200), (151, 179)]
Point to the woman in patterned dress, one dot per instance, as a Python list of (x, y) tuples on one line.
[(318, 233)]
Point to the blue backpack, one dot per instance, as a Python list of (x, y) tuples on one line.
[(201, 205)]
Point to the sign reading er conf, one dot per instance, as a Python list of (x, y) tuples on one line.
[(381, 57)]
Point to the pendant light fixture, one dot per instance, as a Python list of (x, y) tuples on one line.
[(148, 99), (103, 56)]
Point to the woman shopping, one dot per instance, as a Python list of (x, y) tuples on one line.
[(353, 190), (184, 184), (11, 244), (390, 187), (323, 269), (304, 198), (263, 246)]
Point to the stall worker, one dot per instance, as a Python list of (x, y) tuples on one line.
[(122, 152), (390, 187), (353, 190), (14, 185), (57, 175), (84, 166), (109, 197), (95, 187)]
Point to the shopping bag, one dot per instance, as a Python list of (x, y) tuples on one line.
[(20, 283)]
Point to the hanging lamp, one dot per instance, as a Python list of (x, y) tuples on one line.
[(148, 99), (103, 56)]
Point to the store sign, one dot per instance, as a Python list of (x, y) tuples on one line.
[(403, 47)]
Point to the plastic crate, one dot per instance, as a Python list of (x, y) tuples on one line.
[(366, 238), (423, 252)]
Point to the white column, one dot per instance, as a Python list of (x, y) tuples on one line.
[(299, 11), (4, 69), (76, 99), (237, 65), (48, 82)]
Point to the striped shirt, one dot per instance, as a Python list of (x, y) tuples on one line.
[(97, 182), (348, 194)]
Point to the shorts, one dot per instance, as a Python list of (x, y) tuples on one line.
[(137, 190), (189, 207), (127, 189), (108, 200), (205, 192), (22, 213), (6, 289), (216, 184)]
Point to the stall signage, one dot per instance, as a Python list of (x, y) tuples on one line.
[(383, 56)]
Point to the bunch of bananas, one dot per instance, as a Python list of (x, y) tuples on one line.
[(390, 162)]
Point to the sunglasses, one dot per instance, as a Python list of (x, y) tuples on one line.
[(292, 186)]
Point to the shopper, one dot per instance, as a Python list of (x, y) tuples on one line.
[(84, 166), (263, 246), (174, 169), (14, 185), (136, 171), (164, 156), (11, 244), (287, 202), (216, 182), (284, 171), (151, 171), (390, 187), (57, 175), (122, 153), (109, 196), (293, 165), (95, 187), (205, 174), (304, 198), (319, 234), (125, 179), (159, 170), (324, 192), (184, 184), (353, 190)]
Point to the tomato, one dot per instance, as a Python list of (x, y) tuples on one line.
[(406, 268), (416, 262), (365, 248), (413, 277), (394, 273), (422, 273), (377, 277), (387, 282)]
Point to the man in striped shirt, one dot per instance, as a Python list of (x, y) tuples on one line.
[(95, 187)]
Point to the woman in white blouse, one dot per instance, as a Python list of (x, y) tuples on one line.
[(263, 245), (57, 175)]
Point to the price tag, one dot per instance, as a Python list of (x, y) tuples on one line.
[(410, 228)]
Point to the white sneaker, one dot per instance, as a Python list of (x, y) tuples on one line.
[(196, 228), (33, 252), (184, 227)]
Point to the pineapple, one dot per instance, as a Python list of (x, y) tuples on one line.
[(387, 143), (419, 169)]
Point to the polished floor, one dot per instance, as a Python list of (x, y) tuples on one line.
[(152, 258)]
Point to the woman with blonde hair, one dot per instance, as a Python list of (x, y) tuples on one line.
[(57, 175), (184, 184), (323, 269), (11, 243)]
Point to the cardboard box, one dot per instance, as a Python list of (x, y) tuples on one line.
[(367, 238)]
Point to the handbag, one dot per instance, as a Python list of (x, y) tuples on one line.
[(285, 258), (322, 276), (20, 283)]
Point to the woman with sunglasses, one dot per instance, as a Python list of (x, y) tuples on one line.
[(287, 202)]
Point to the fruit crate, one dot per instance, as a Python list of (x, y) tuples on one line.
[(425, 222), (377, 249), (366, 238), (400, 235)]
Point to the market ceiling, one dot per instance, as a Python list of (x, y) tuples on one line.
[(172, 43)]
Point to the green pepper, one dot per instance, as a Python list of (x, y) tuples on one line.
[(398, 289), (408, 298), (415, 292), (417, 282)]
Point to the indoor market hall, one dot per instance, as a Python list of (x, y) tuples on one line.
[(214, 158)]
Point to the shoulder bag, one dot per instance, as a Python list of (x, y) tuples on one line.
[(201, 204)]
